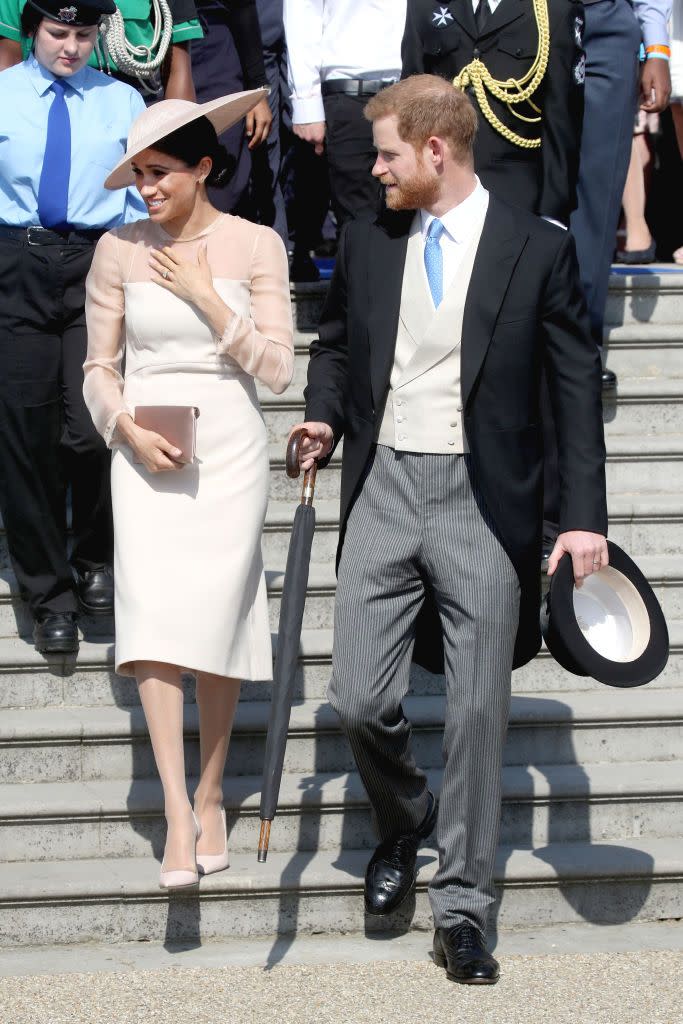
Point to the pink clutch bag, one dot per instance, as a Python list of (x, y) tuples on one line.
[(176, 423)]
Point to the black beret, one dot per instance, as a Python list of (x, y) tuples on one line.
[(82, 12)]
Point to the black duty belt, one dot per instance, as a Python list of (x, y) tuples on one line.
[(355, 86), (45, 236)]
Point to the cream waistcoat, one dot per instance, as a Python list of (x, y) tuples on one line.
[(423, 411)]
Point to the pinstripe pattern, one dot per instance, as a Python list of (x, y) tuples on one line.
[(420, 516)]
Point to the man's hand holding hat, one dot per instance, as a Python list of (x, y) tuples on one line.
[(588, 553)]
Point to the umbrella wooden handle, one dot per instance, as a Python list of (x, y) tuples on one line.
[(293, 469)]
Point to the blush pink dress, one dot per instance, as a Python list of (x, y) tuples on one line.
[(190, 589)]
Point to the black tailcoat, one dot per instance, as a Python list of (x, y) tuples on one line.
[(441, 38), (524, 309)]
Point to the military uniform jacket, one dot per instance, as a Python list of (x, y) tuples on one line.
[(441, 38)]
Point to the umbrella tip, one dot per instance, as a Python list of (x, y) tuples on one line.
[(263, 841)]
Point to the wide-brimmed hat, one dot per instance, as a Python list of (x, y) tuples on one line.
[(168, 116), (611, 628)]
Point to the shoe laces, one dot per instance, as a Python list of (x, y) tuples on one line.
[(467, 937), (399, 851)]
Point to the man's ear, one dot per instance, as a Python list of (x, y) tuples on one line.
[(437, 151)]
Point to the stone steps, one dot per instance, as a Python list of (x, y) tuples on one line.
[(664, 572), (118, 900), (87, 744), (640, 405), (591, 826), (644, 350), (29, 680), (541, 802)]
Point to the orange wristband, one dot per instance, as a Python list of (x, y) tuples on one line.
[(659, 48)]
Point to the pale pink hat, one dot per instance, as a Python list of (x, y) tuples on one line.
[(167, 116)]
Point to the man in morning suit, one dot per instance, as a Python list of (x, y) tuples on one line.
[(439, 318)]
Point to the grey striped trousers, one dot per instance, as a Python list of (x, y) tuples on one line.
[(420, 517)]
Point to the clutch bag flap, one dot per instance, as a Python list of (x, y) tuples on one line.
[(177, 424)]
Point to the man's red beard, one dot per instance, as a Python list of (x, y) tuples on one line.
[(416, 193)]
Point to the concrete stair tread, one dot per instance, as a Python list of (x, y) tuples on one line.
[(646, 333), (602, 705), (121, 797), (644, 446), (330, 871), (322, 576), (19, 652), (647, 388)]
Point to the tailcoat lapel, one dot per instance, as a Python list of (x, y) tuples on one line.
[(464, 15), (505, 13), (386, 260), (500, 247)]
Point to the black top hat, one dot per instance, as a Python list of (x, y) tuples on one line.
[(81, 12), (612, 628)]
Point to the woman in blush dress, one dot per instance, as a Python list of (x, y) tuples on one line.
[(198, 301)]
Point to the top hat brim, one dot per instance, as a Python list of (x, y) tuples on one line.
[(168, 116), (567, 642)]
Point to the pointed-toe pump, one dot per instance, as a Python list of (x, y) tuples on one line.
[(182, 878), (209, 863)]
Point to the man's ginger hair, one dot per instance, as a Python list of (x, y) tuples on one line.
[(427, 105)]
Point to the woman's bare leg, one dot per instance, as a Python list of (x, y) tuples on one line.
[(637, 232), (217, 698), (161, 693)]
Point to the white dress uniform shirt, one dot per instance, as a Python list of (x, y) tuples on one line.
[(329, 39), (459, 225)]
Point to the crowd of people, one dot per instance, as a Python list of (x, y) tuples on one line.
[(126, 292)]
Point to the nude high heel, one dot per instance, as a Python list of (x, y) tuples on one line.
[(182, 878), (208, 863)]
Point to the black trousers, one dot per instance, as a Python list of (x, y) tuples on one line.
[(350, 156), (48, 443)]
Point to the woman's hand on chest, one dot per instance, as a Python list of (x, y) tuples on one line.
[(190, 281)]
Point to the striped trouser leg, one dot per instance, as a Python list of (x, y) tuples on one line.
[(379, 593), (477, 594)]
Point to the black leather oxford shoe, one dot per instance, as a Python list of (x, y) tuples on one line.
[(96, 591), (55, 633), (462, 952), (391, 873)]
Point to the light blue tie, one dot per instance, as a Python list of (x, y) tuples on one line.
[(434, 261), (53, 188)]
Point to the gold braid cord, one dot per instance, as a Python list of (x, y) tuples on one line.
[(513, 91)]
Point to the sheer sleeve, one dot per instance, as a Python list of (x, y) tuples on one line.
[(263, 343), (104, 310)]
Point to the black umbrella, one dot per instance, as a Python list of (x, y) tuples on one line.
[(288, 637)]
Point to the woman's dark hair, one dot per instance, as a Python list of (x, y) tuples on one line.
[(194, 141), (30, 20)]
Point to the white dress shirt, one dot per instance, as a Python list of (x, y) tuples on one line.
[(459, 225), (492, 5), (339, 39)]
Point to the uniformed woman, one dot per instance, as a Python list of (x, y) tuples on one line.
[(62, 126)]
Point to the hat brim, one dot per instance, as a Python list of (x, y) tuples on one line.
[(223, 113), (567, 642)]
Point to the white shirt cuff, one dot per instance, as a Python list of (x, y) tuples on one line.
[(308, 110)]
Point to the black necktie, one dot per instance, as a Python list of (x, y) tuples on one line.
[(481, 15)]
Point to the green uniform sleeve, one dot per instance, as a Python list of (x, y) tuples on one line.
[(10, 19), (183, 31)]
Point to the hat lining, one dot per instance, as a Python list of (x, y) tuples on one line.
[(612, 615)]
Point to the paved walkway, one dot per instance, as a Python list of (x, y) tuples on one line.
[(351, 980)]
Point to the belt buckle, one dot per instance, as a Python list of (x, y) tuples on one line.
[(28, 235)]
